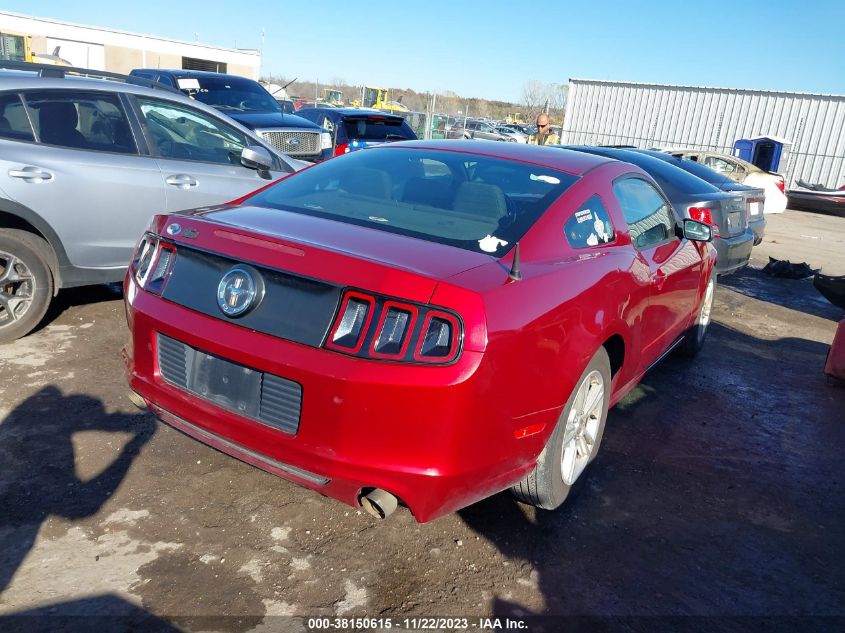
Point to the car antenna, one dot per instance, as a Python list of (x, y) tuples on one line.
[(515, 273)]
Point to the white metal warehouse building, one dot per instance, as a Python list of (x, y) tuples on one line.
[(655, 115), (101, 48)]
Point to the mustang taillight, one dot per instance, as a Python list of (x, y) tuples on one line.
[(353, 320), (153, 263), (386, 329), (439, 339)]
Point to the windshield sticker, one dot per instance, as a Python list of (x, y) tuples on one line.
[(584, 215), (490, 243), (543, 178), (188, 84)]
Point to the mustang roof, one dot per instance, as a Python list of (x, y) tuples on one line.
[(571, 162)]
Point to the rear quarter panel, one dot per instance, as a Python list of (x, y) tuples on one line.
[(544, 329)]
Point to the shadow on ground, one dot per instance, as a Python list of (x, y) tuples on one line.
[(40, 478), (739, 503)]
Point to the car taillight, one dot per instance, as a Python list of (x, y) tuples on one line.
[(704, 214), (341, 148), (153, 263), (353, 321), (781, 184), (439, 339), (386, 329)]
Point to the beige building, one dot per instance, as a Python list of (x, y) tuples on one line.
[(118, 51)]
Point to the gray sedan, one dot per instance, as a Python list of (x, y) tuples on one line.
[(695, 198)]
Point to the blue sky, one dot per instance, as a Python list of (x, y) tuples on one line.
[(488, 49)]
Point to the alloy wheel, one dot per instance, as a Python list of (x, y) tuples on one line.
[(17, 288), (582, 426)]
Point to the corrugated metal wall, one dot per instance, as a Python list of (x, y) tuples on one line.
[(650, 115)]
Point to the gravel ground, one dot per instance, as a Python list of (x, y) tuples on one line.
[(718, 494)]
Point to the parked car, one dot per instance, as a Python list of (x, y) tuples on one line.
[(512, 135), (697, 199), (755, 197), (475, 130), (84, 165), (248, 102), (430, 321), (357, 128), (740, 171)]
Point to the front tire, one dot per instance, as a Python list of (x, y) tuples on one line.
[(694, 337), (575, 441), (26, 283)]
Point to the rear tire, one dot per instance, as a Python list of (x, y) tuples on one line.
[(695, 336), (26, 283), (575, 441)]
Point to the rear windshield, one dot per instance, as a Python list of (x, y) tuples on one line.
[(696, 169), (673, 180), (478, 203), (378, 129), (230, 94)]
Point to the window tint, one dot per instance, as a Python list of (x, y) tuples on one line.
[(673, 180), (230, 94), (187, 134), (377, 129), (81, 120), (478, 203), (13, 120), (649, 217), (590, 225)]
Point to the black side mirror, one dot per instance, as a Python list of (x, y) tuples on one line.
[(697, 231), (257, 158)]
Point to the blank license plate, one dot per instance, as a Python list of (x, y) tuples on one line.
[(226, 384), (734, 219), (754, 208)]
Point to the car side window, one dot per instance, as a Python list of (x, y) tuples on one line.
[(590, 225), (650, 218), (14, 123), (183, 133), (81, 120)]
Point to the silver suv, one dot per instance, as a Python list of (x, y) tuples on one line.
[(86, 159)]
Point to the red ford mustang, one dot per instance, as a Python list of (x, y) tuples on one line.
[(425, 322)]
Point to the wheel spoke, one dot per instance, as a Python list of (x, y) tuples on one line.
[(583, 449), (594, 398), (569, 462), (8, 304), (10, 273)]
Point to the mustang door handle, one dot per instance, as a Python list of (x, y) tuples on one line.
[(31, 174), (181, 181)]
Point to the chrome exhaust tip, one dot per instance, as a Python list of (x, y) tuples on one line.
[(137, 400), (379, 503)]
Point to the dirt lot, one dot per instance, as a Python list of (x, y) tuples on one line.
[(718, 492)]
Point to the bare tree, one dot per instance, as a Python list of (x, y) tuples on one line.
[(534, 94)]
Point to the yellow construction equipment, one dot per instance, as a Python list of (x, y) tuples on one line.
[(377, 98), (16, 47), (333, 97)]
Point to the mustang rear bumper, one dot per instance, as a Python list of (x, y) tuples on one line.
[(437, 437)]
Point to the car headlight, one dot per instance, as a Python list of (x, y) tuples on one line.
[(325, 140)]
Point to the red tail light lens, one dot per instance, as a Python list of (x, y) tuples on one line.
[(341, 148), (702, 214), (386, 329), (781, 184)]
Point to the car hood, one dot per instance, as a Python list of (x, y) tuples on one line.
[(262, 120), (430, 259)]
